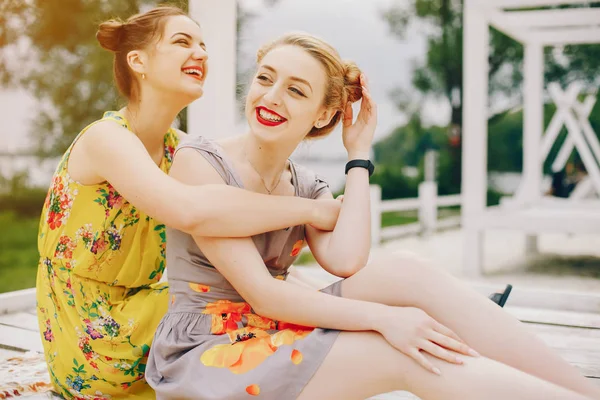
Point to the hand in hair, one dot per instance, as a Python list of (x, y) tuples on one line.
[(357, 136)]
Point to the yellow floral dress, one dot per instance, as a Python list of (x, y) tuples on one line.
[(98, 297)]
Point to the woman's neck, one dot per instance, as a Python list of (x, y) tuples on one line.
[(268, 160), (150, 119)]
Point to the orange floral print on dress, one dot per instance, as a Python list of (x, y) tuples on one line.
[(225, 315), (253, 390), (297, 247), (258, 321), (200, 288), (296, 357), (250, 347)]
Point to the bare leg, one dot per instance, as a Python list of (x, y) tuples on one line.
[(363, 364), (404, 280)]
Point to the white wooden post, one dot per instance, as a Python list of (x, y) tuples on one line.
[(474, 133), (430, 165), (215, 113), (428, 207), (533, 125), (375, 193)]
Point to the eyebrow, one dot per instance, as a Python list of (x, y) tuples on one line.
[(293, 78), (187, 36)]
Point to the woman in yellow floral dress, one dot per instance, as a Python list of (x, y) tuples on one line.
[(101, 236)]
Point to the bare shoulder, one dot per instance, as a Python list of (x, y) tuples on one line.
[(191, 167)]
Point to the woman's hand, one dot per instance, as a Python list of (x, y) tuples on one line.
[(412, 331), (358, 137)]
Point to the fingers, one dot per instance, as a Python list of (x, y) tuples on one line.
[(446, 331), (348, 115), (420, 358), (439, 352), (450, 340), (340, 198), (452, 344)]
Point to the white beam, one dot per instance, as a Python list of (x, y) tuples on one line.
[(474, 134), (553, 18), (533, 120), (499, 20), (214, 114), (530, 3), (561, 36)]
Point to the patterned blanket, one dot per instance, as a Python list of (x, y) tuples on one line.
[(24, 375)]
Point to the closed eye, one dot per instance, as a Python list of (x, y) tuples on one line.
[(183, 41)]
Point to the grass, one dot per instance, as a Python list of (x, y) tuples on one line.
[(18, 252)]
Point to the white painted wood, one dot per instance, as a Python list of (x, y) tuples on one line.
[(553, 18), (20, 339), (543, 220), (400, 205), (427, 207), (533, 120), (430, 165), (394, 232), (375, 206), (557, 317), (17, 301), (584, 150), (583, 190), (543, 299), (563, 100), (20, 320), (562, 36), (215, 113), (529, 3), (474, 135), (499, 21), (449, 200)]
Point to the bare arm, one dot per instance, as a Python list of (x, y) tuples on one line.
[(345, 251), (241, 264), (116, 155)]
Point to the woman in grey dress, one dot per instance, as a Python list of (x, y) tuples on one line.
[(236, 329)]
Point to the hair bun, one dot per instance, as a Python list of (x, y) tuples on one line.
[(352, 81), (109, 34)]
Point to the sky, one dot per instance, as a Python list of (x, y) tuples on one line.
[(354, 27)]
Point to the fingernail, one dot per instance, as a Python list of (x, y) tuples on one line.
[(474, 353), (459, 360), (437, 371)]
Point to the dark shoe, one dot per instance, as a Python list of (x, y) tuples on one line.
[(500, 298)]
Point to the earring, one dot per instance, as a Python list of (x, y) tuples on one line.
[(318, 125), (143, 76)]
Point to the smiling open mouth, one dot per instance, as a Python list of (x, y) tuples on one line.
[(268, 117), (194, 72)]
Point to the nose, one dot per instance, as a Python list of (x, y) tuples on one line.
[(200, 53), (273, 95)]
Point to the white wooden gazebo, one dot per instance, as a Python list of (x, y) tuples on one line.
[(528, 211)]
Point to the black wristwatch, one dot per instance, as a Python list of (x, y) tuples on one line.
[(367, 164)]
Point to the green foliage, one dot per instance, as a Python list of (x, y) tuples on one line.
[(20, 198), (18, 252), (394, 184)]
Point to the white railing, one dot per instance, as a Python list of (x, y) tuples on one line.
[(426, 204)]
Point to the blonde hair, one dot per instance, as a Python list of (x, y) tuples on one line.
[(343, 77)]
